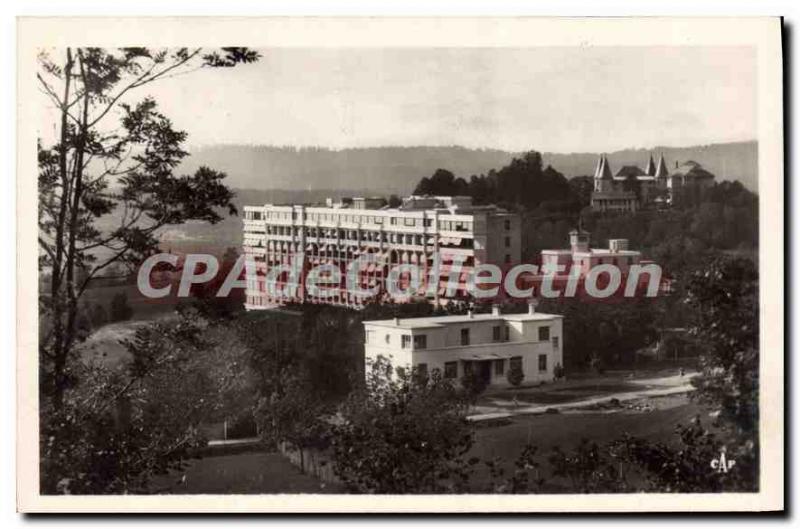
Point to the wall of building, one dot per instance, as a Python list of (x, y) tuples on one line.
[(443, 346), (504, 239), (338, 236)]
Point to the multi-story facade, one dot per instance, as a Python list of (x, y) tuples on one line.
[(489, 344), (580, 254), (632, 188), (418, 231), (583, 261)]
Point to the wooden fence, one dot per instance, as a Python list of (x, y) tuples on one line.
[(310, 461)]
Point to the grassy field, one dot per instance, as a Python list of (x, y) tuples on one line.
[(246, 473), (270, 473), (565, 430)]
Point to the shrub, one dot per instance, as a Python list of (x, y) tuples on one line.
[(474, 384), (402, 436), (120, 309), (515, 375)]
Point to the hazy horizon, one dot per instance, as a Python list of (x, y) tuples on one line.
[(653, 148)]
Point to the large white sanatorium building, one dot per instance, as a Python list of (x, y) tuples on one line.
[(487, 343), (422, 227)]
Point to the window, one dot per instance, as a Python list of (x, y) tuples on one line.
[(422, 370), (393, 221), (506, 333), (387, 338), (406, 341), (515, 363), (420, 342), (555, 343), (409, 222), (496, 330), (451, 370), (544, 334), (508, 258), (542, 363), (508, 241), (464, 336), (507, 224), (499, 367)]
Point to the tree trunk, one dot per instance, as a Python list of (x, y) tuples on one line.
[(58, 352)]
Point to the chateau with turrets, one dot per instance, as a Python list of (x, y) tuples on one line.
[(633, 188)]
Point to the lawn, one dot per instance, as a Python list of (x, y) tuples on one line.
[(271, 473), (565, 430), (245, 473)]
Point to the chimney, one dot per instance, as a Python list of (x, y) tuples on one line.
[(396, 321), (579, 240), (495, 309), (532, 306), (469, 314), (618, 245)]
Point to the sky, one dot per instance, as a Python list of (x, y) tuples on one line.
[(550, 99)]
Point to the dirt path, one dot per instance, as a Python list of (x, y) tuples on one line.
[(651, 387)]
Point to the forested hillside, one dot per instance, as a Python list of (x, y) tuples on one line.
[(385, 170)]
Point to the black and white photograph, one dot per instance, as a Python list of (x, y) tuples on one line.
[(433, 259)]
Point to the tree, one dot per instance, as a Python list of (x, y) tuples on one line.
[(120, 309), (98, 315), (104, 137), (604, 335), (293, 417), (231, 255), (588, 468), (402, 434), (520, 481), (442, 183), (515, 375), (115, 434), (581, 188), (724, 299), (473, 384), (684, 468)]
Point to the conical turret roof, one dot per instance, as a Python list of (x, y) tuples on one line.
[(662, 172), (603, 171), (651, 167)]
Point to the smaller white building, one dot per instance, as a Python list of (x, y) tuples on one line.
[(487, 343)]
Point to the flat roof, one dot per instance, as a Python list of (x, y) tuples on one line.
[(429, 322), (564, 251), (593, 251), (608, 252)]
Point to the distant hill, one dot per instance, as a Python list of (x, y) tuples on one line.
[(380, 169), (384, 170)]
